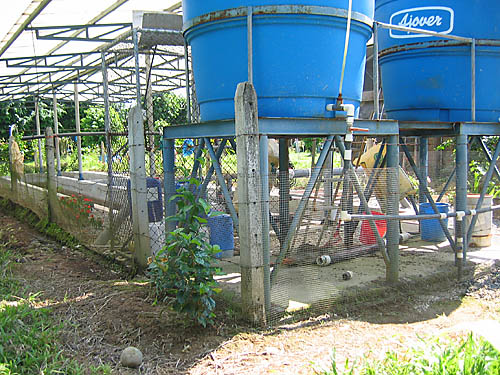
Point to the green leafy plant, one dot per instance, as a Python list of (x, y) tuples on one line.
[(182, 273)]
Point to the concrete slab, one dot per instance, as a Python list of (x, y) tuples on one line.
[(310, 285)]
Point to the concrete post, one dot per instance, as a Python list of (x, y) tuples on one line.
[(51, 174), (392, 273), (138, 189), (78, 138), (250, 203)]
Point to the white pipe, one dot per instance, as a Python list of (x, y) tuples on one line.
[(323, 260)]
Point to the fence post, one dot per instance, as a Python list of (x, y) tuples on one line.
[(56, 130), (51, 174), (78, 129), (38, 132), (138, 188), (392, 271), (250, 203)]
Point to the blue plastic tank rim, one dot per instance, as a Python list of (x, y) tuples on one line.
[(278, 9), (436, 44)]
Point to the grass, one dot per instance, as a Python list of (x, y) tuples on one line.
[(465, 356), (29, 334)]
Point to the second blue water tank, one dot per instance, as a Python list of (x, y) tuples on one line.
[(298, 50), (429, 78)]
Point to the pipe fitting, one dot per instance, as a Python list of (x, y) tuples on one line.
[(347, 275), (345, 216), (460, 215), (473, 212), (348, 155), (323, 260), (349, 109), (404, 237)]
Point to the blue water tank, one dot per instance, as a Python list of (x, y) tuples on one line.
[(429, 78), (297, 54)]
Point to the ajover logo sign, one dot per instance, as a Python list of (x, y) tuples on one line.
[(432, 18)]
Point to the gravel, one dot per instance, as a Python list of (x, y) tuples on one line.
[(486, 287)]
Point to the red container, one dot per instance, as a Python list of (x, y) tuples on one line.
[(367, 237)]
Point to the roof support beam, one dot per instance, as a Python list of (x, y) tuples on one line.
[(22, 27)]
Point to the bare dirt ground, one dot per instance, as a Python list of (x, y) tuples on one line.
[(103, 313)]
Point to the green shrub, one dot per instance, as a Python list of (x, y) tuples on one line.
[(182, 273)]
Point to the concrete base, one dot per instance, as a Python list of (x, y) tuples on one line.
[(312, 286)]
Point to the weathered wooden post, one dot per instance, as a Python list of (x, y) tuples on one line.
[(138, 189), (250, 203)]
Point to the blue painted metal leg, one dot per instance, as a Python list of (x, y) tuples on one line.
[(196, 163), (208, 177), (222, 183), (424, 168), (302, 205), (461, 200), (443, 192), (284, 184), (420, 178), (169, 181)]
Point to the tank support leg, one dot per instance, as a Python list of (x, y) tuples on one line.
[(392, 271), (169, 181), (424, 168), (420, 178), (461, 201), (284, 184), (222, 183), (206, 181)]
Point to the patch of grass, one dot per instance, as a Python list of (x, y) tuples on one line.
[(302, 160), (8, 285), (466, 356), (29, 335)]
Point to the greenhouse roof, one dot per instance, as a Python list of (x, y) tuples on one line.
[(47, 46)]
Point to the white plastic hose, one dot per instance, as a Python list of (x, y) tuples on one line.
[(346, 46)]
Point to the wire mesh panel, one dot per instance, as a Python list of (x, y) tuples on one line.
[(326, 257)]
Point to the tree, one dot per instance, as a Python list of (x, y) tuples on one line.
[(169, 109), (93, 121)]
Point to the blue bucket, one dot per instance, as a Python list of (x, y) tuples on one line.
[(297, 54), (222, 234), (154, 197), (430, 229), (429, 78)]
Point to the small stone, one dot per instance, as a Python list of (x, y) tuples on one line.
[(131, 357)]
